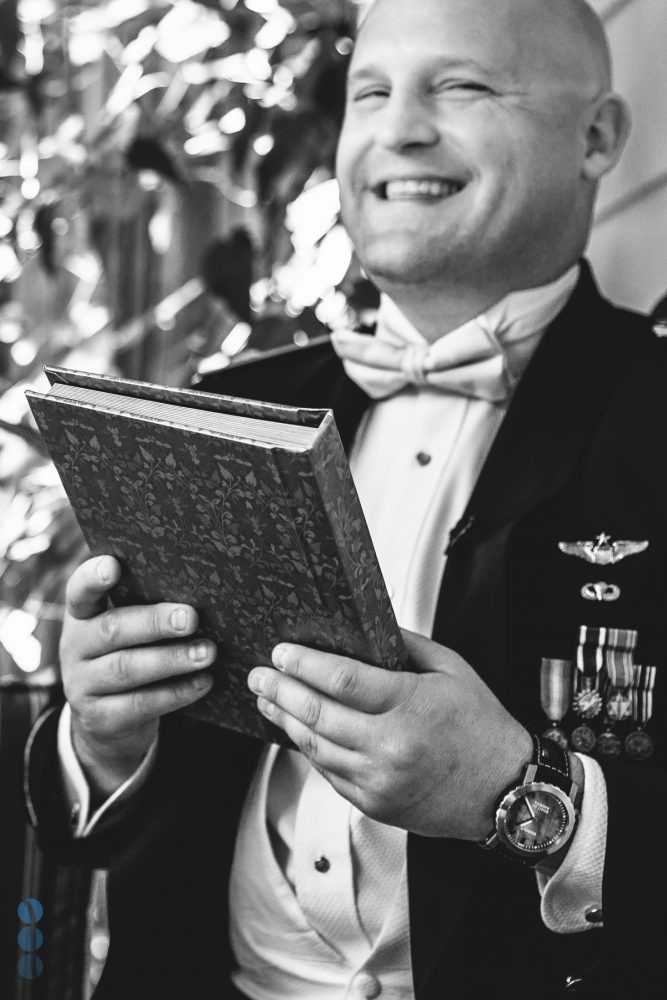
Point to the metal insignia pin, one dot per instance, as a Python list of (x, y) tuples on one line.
[(600, 591), (602, 551)]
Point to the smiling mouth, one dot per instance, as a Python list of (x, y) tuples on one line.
[(417, 189)]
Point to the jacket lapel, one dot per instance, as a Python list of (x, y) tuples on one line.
[(552, 417), (555, 409)]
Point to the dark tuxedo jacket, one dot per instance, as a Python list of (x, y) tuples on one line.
[(581, 451)]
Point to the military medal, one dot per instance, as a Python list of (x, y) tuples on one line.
[(620, 671), (555, 696), (609, 744), (619, 706), (639, 744), (590, 660), (587, 701), (618, 701), (583, 739)]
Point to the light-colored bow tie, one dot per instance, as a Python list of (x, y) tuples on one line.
[(468, 361)]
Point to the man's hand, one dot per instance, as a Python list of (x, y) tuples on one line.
[(116, 677), (429, 751)]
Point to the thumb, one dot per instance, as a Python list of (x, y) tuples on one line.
[(88, 586)]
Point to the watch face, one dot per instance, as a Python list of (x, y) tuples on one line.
[(535, 819)]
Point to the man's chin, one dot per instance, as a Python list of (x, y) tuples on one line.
[(402, 269)]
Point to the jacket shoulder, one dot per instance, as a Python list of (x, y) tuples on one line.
[(294, 376)]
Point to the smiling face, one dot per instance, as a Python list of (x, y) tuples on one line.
[(464, 158)]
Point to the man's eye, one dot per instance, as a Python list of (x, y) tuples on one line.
[(465, 87), (370, 93)]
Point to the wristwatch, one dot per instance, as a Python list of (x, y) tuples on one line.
[(536, 818)]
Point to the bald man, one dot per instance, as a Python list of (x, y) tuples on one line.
[(492, 819)]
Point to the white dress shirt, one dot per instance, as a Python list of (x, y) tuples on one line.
[(415, 460)]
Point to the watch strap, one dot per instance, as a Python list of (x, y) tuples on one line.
[(552, 764)]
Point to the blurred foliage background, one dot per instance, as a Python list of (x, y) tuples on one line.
[(167, 205)]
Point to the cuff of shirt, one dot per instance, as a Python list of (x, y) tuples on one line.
[(77, 791), (573, 894)]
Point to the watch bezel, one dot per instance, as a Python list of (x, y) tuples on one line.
[(541, 850)]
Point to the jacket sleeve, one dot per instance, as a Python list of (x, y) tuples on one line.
[(167, 811), (50, 810)]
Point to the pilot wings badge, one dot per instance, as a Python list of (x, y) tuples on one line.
[(602, 551)]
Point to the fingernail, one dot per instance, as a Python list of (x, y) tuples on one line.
[(278, 657), (265, 707), (179, 619), (198, 653), (256, 682), (203, 682), (104, 570)]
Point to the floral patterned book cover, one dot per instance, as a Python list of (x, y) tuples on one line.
[(267, 540)]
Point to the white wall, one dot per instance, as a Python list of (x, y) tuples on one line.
[(629, 243)]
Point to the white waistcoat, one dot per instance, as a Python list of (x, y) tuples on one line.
[(281, 956)]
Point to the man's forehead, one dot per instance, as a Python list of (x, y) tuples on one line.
[(546, 37), (435, 26)]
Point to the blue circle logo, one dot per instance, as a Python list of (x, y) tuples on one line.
[(30, 966), (30, 939), (30, 911)]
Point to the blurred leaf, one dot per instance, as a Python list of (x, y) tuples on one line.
[(9, 34), (227, 270), (147, 153), (43, 225)]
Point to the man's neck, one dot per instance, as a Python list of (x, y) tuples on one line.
[(434, 317), (437, 311)]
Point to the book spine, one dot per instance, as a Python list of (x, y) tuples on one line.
[(355, 549)]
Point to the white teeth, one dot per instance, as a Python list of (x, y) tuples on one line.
[(395, 190)]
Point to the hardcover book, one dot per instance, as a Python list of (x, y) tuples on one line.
[(245, 510)]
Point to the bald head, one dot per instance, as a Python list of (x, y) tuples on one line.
[(569, 31), (578, 24)]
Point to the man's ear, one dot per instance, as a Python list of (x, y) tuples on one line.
[(608, 129)]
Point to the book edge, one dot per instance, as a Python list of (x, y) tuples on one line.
[(183, 396)]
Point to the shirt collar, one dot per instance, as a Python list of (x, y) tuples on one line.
[(514, 323)]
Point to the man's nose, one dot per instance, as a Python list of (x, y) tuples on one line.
[(406, 121)]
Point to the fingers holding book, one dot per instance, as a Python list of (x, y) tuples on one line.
[(429, 750), (122, 669)]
